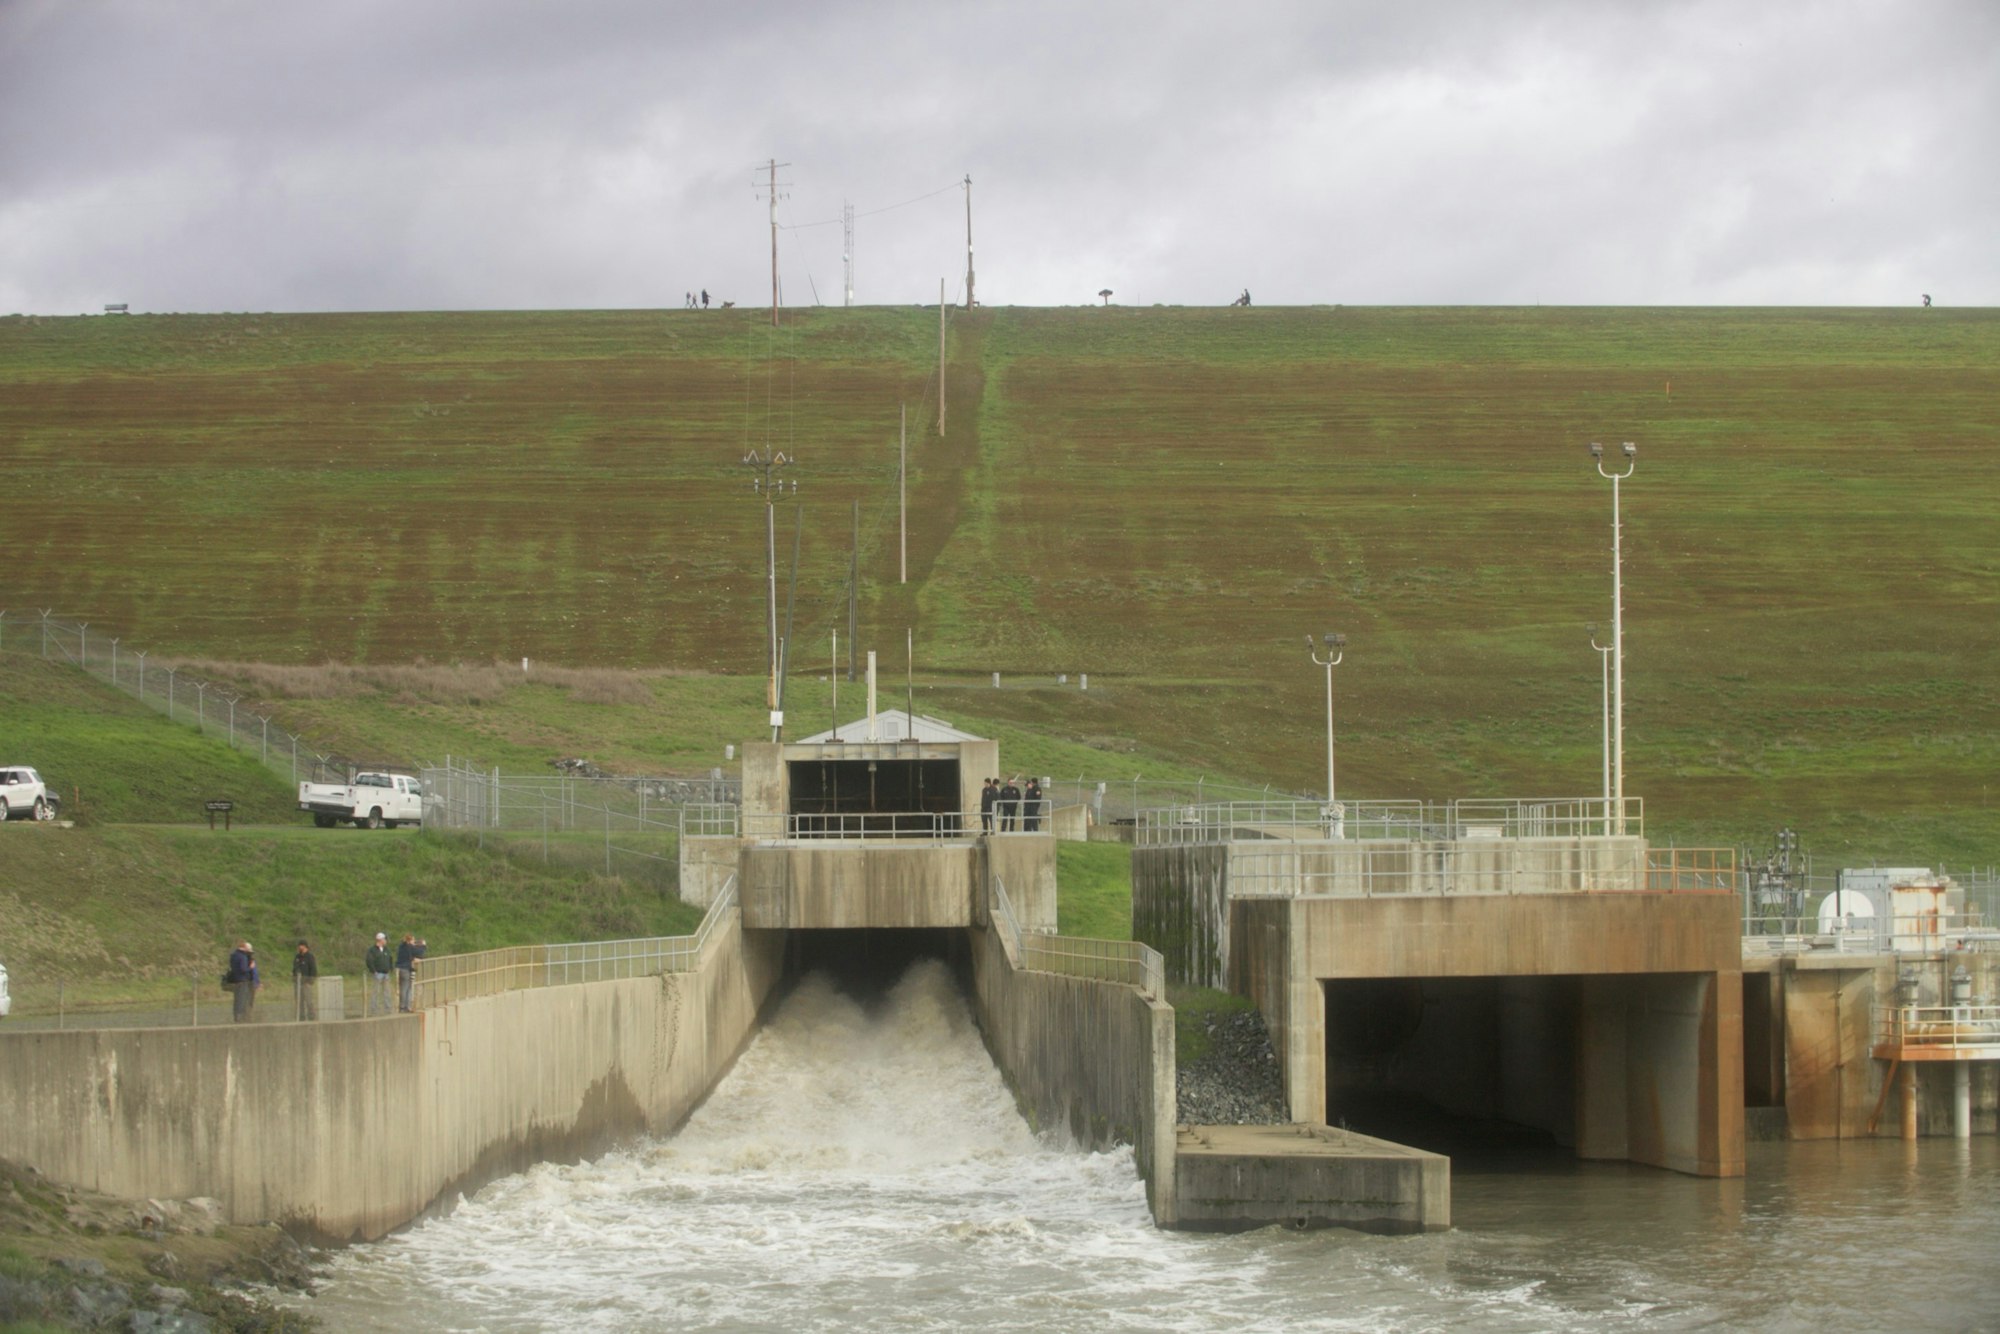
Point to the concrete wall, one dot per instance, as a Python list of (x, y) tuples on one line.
[(877, 885), (1179, 895), (1026, 864), (707, 863), (1178, 890), (766, 785), (1071, 824), (1832, 1080), (345, 1131), (1094, 1058)]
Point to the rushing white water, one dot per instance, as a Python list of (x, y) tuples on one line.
[(864, 1167)]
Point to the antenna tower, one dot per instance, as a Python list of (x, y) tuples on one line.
[(847, 248)]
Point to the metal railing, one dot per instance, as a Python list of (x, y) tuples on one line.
[(1924, 933), (456, 977), (707, 819), (1126, 962), (1120, 800), (715, 820), (1389, 868), (1918, 1028), (1313, 822), (1786, 919), (1683, 870), (903, 826)]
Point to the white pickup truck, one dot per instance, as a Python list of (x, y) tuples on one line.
[(378, 800), (25, 795)]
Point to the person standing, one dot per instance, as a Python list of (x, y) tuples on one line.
[(378, 963), (987, 796), (305, 983), (1031, 808), (407, 955), (704, 298), (1010, 805), (242, 978)]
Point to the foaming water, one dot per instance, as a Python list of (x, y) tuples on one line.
[(863, 1166)]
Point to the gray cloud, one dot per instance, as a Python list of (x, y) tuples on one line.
[(363, 154)]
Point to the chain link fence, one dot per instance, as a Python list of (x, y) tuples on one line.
[(210, 708)]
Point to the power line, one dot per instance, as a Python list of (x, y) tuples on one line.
[(890, 208)]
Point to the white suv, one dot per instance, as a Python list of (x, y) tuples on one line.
[(6, 1001), (24, 795)]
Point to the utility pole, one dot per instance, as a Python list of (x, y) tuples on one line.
[(769, 487), (903, 498), (847, 248), (940, 358), (773, 166), (855, 579), (968, 241)]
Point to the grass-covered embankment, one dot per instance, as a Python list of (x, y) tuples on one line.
[(132, 914), (1165, 498)]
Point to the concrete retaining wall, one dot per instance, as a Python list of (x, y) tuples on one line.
[(1179, 897), (1094, 1057), (707, 863), (1026, 864), (346, 1131)]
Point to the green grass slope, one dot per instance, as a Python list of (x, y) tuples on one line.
[(112, 758), (1166, 498), (131, 913)]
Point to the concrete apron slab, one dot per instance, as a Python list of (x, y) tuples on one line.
[(1232, 1178)]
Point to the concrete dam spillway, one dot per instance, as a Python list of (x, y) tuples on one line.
[(863, 1166), (878, 1038)]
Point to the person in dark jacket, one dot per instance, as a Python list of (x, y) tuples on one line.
[(1010, 806), (1031, 805), (243, 980), (407, 955), (305, 982), (987, 796), (378, 963)]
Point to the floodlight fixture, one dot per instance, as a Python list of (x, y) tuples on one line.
[(1335, 651), (1615, 812)]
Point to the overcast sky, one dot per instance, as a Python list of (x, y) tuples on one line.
[(439, 154)]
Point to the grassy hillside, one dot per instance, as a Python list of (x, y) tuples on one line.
[(113, 759), (132, 913), (1167, 499)]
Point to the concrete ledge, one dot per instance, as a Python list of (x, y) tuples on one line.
[(1232, 1178), (835, 885)]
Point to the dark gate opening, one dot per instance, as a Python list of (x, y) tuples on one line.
[(1480, 1068), (867, 963), (879, 798)]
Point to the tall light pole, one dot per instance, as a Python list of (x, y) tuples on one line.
[(1335, 649), (1604, 711), (770, 487), (1617, 632)]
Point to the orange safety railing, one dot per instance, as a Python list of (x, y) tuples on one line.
[(1673, 870)]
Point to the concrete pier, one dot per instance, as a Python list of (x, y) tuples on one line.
[(1230, 1178)]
